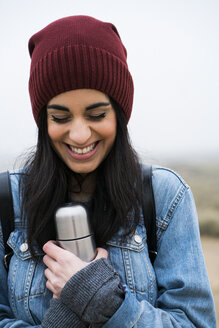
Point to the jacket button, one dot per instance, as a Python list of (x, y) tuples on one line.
[(137, 239), (24, 247)]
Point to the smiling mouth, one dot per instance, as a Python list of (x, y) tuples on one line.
[(83, 151)]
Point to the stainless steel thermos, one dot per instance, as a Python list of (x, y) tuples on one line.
[(74, 232)]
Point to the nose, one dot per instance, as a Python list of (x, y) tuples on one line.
[(80, 132)]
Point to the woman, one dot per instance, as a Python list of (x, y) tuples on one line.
[(81, 94)]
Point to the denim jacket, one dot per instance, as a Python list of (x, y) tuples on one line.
[(175, 292)]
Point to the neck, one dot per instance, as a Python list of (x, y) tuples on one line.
[(82, 186)]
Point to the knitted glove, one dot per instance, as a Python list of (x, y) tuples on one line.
[(94, 293), (60, 316)]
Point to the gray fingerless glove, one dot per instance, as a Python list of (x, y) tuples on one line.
[(60, 316), (94, 293)]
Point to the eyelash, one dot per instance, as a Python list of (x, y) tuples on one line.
[(96, 117), (59, 120), (90, 117)]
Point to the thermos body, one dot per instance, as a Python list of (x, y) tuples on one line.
[(74, 231)]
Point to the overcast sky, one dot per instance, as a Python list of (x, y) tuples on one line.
[(173, 56)]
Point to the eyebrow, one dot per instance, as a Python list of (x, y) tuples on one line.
[(96, 105), (66, 109), (54, 106)]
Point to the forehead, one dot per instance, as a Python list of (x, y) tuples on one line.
[(79, 97)]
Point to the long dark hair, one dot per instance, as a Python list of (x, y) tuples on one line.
[(45, 187)]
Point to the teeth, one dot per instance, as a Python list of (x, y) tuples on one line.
[(82, 150)]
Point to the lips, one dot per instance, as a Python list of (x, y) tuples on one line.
[(84, 150), (83, 153)]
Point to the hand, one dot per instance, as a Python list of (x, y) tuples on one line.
[(62, 265)]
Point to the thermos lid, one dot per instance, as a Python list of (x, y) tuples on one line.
[(72, 222)]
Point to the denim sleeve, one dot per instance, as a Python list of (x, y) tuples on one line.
[(184, 294)]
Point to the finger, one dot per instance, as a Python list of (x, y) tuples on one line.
[(55, 284), (101, 253), (56, 293), (54, 251), (49, 275), (51, 287), (50, 263)]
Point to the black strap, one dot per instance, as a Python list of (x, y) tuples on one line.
[(6, 213), (149, 211)]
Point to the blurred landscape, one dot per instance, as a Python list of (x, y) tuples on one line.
[(203, 178)]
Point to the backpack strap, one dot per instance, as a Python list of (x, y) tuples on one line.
[(6, 213), (149, 211)]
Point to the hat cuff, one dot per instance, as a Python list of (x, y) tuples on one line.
[(80, 67)]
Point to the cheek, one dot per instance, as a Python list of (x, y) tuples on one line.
[(110, 129), (112, 134), (54, 133)]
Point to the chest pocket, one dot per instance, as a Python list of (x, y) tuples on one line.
[(131, 261), (26, 276)]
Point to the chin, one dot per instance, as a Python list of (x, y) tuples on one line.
[(82, 169)]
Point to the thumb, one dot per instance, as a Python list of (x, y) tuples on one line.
[(101, 253)]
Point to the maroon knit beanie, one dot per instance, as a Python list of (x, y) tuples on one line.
[(79, 52)]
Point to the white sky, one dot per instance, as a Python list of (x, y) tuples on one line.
[(173, 55)]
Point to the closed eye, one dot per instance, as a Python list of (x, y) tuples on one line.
[(96, 117), (90, 117), (59, 120)]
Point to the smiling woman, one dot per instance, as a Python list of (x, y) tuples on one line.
[(82, 128), (81, 93)]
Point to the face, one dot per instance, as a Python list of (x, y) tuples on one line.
[(82, 128)]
